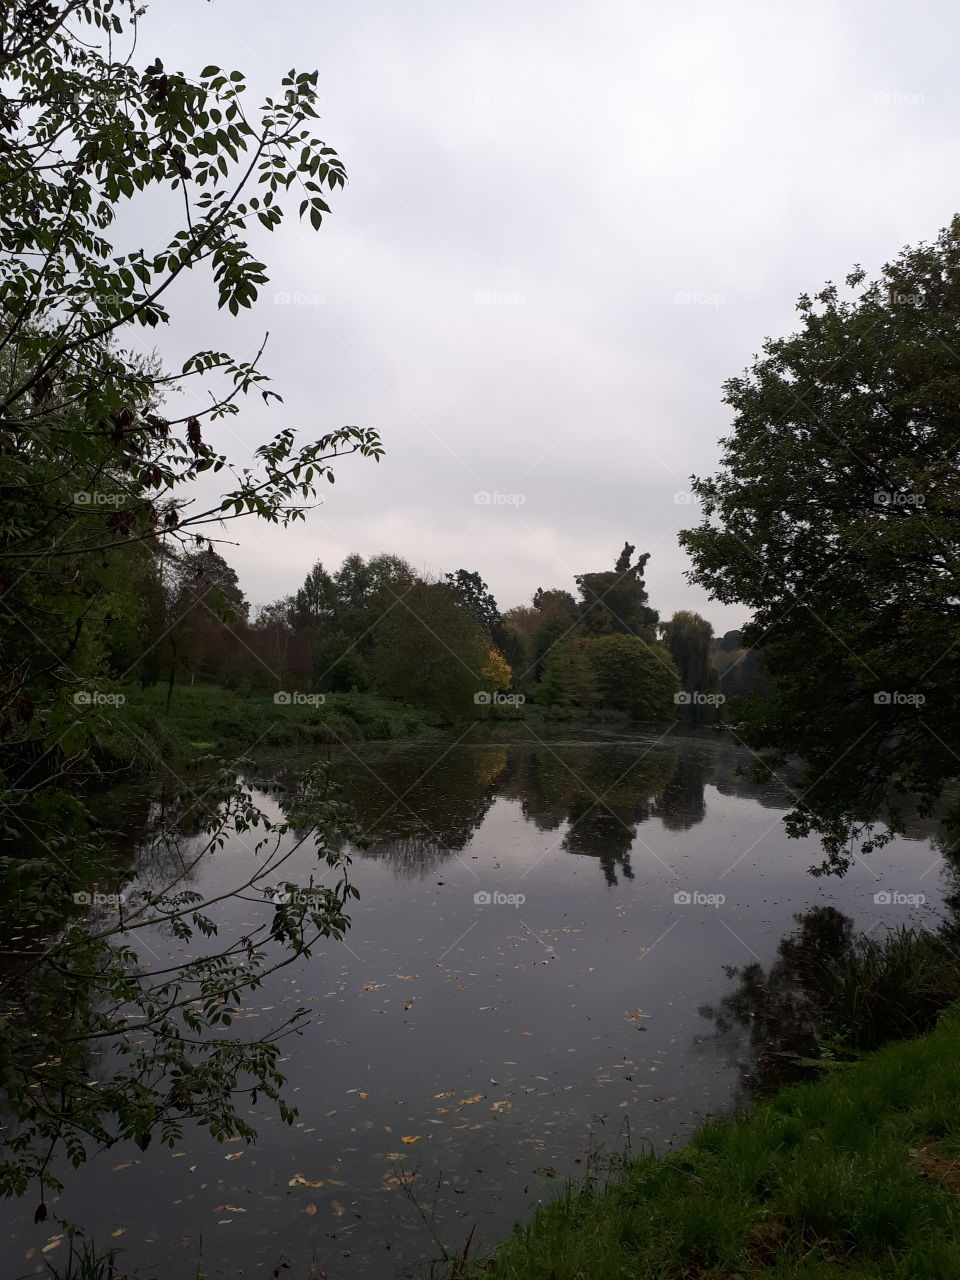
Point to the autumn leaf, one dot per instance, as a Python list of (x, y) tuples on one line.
[(298, 1180), (415, 1138)]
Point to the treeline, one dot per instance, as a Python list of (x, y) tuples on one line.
[(441, 645)]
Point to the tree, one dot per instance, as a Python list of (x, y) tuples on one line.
[(632, 676), (615, 601), (93, 467), (687, 637), (835, 517), (316, 601), (568, 676), (557, 619), (476, 596), (431, 651)]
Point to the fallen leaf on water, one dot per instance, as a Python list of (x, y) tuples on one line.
[(337, 1208), (119, 1231), (477, 1097), (310, 1210), (231, 1208), (404, 977), (237, 1155), (298, 1180), (415, 1138), (447, 1094), (126, 1165), (500, 1106), (363, 1095), (54, 1243)]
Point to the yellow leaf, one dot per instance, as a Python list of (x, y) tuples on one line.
[(363, 1095), (237, 1155), (415, 1138), (298, 1180), (119, 1232)]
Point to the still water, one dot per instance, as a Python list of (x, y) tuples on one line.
[(545, 932)]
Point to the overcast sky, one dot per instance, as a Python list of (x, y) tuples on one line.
[(565, 225)]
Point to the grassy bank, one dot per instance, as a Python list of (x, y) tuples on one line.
[(207, 718), (856, 1175)]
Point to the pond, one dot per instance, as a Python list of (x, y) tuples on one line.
[(543, 931)]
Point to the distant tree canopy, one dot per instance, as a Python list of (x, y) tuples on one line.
[(475, 594), (687, 636), (835, 518), (376, 625), (616, 600)]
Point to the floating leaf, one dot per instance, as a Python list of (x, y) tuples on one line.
[(298, 1180), (415, 1138)]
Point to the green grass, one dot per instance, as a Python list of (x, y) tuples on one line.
[(856, 1175), (206, 718)]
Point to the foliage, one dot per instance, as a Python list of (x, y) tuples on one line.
[(616, 600), (835, 518), (476, 596), (430, 652), (165, 1054), (632, 676), (102, 564)]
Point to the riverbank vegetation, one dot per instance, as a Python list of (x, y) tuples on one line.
[(857, 1174)]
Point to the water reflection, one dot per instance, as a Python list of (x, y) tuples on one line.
[(829, 982), (595, 796)]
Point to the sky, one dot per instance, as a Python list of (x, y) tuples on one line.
[(565, 225)]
